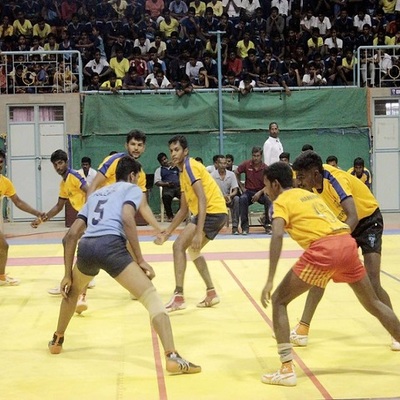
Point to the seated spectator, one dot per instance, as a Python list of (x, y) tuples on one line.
[(133, 81), (94, 82), (32, 10), (323, 23), (346, 70), (51, 45), (168, 24), (243, 46), (315, 44), (98, 66), (22, 26), (312, 77), (160, 81), (276, 23), (360, 19), (358, 170), (125, 44), (184, 86), (65, 45), (64, 80), (332, 160), (86, 46), (217, 6), (41, 29), (167, 177), (178, 9), (202, 81), (139, 62), (119, 64), (252, 189), (291, 78), (193, 45), (192, 68), (246, 85), (208, 24), (258, 23), (119, 7), (212, 69), (227, 182), (143, 44), (6, 29), (248, 9), (75, 28), (113, 84), (190, 24), (332, 64), (153, 59), (148, 27), (333, 41), (155, 7), (160, 45), (252, 64), (267, 81), (18, 82), (199, 8), (230, 166)]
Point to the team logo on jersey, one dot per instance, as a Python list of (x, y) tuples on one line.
[(371, 239)]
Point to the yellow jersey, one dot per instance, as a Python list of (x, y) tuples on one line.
[(338, 185), (307, 218), (192, 172), (7, 188), (365, 177), (109, 166), (71, 189)]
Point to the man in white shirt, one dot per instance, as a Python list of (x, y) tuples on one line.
[(272, 146), (87, 171), (227, 182)]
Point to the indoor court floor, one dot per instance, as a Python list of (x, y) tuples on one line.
[(111, 353)]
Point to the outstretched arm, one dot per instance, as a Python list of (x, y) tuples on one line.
[(22, 205)]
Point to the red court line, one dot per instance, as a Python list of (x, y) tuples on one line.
[(234, 255), (299, 361), (162, 390)]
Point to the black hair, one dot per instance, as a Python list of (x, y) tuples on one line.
[(281, 172), (59, 155), (179, 139), (284, 155), (137, 135), (161, 156), (307, 160), (358, 162), (307, 147), (126, 165), (86, 160), (331, 158)]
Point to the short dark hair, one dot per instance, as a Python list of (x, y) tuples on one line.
[(86, 160), (126, 165), (160, 157), (307, 147), (59, 155), (2, 154), (256, 149), (281, 172), (358, 162), (230, 156), (331, 158), (307, 160), (179, 139), (284, 155), (137, 135)]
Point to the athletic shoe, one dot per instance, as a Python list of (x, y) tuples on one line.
[(175, 364), (92, 284), (235, 231), (176, 303), (298, 340), (210, 300), (55, 345), (55, 291), (268, 229), (283, 377), (82, 304), (395, 346), (8, 281), (245, 232)]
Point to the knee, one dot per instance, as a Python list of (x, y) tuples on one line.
[(4, 245), (152, 302)]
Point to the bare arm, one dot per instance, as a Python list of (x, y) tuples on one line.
[(22, 205), (275, 248), (148, 215), (201, 216), (97, 182), (349, 208)]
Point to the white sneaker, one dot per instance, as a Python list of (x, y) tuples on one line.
[(8, 281), (55, 291), (298, 340), (395, 346), (82, 304), (283, 377), (92, 283)]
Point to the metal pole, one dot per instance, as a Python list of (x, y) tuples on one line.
[(219, 64)]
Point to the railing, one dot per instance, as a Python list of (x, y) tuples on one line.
[(40, 72), (378, 66)]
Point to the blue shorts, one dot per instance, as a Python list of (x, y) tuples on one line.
[(104, 252), (212, 225)]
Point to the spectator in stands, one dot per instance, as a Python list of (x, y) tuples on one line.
[(32, 10), (6, 29), (160, 81), (94, 82), (361, 19), (243, 46), (358, 170), (346, 70), (208, 24), (378, 21), (103, 11), (113, 84), (68, 9), (230, 166), (217, 7), (312, 77), (193, 67), (333, 41), (323, 23), (332, 160), (41, 29), (64, 80), (51, 13), (119, 64), (133, 81), (199, 8), (233, 63), (167, 177), (67, 44), (184, 86), (232, 8), (190, 25), (119, 8), (86, 46), (332, 64), (98, 42), (252, 189), (155, 7), (202, 81), (126, 46), (315, 44), (227, 182), (258, 23), (143, 43), (343, 23), (22, 26), (168, 25), (139, 62), (211, 67), (178, 9), (159, 44), (75, 28), (97, 65), (306, 147)]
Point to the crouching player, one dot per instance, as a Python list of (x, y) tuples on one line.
[(108, 220)]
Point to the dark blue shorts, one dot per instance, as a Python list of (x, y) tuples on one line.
[(212, 225), (104, 252)]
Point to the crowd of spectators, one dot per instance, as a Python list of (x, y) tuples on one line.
[(151, 44)]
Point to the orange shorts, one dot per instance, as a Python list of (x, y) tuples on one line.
[(332, 257)]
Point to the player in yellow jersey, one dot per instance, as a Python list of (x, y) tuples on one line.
[(203, 198), (135, 146), (7, 189), (353, 203), (330, 252)]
